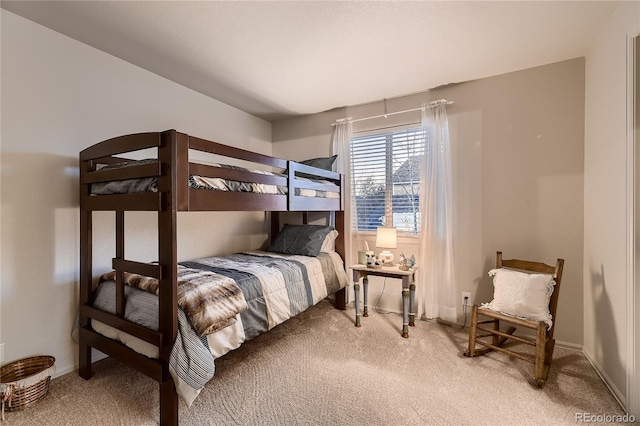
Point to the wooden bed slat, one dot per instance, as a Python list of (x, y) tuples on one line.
[(330, 187), (147, 201), (129, 172), (303, 168), (147, 366), (208, 200), (140, 268), (299, 203), (238, 153), (121, 145), (143, 333)]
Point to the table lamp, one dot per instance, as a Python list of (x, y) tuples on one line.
[(386, 238)]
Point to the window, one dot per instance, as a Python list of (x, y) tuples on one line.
[(386, 180)]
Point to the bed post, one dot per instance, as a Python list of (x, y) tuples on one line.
[(168, 155), (341, 295), (85, 275), (85, 292), (275, 226)]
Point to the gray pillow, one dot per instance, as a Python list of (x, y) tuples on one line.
[(305, 240), (325, 163)]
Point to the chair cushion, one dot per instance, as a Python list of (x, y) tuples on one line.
[(523, 295)]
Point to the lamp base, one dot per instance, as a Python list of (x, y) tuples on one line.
[(386, 257)]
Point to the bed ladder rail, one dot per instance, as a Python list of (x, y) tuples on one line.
[(143, 333), (150, 367), (117, 320), (121, 266)]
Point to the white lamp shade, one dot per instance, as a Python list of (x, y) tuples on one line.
[(386, 237)]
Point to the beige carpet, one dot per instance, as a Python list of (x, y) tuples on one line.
[(320, 369)]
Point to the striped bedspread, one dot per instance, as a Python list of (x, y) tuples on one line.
[(275, 287)]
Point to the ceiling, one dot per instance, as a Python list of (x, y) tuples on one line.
[(277, 59)]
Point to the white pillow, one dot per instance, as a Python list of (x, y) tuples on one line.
[(523, 295), (329, 243)]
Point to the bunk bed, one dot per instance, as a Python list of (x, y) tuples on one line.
[(175, 180)]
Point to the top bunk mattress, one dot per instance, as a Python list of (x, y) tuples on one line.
[(130, 186)]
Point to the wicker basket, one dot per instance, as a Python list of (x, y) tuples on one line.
[(16, 396)]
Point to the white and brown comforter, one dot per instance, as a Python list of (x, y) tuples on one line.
[(274, 287)]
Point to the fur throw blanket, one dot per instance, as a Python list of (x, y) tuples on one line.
[(211, 301)]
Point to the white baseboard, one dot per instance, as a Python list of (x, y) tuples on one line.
[(619, 396), (95, 356), (569, 345)]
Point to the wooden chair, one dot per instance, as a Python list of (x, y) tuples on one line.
[(543, 341)]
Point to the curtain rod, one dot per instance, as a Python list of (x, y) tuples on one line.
[(431, 105)]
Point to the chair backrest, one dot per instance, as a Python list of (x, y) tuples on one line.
[(543, 268)]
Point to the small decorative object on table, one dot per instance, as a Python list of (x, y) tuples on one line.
[(364, 256), (372, 262), (406, 263)]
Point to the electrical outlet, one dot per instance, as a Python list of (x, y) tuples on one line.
[(466, 299)]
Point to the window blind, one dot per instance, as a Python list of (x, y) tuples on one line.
[(386, 179)]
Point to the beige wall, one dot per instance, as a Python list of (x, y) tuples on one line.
[(606, 230), (58, 97), (517, 147)]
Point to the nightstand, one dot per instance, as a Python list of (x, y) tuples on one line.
[(408, 291)]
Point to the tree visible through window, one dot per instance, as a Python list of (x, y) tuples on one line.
[(386, 180)]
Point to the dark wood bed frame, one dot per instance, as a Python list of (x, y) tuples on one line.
[(172, 170)]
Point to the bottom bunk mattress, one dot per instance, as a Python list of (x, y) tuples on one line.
[(275, 288)]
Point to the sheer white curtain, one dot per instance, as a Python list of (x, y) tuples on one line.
[(437, 286), (341, 145)]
